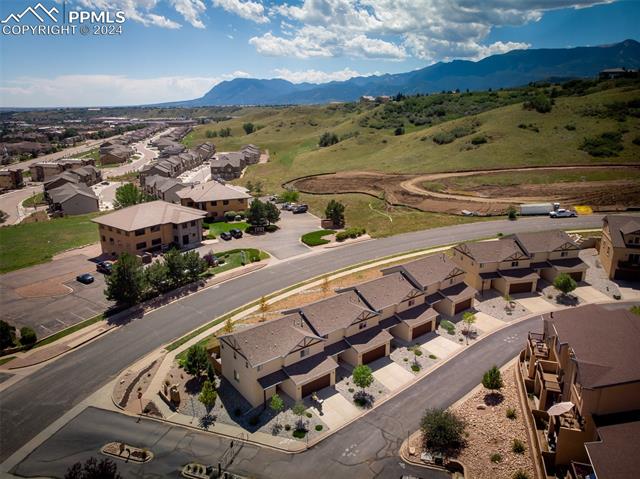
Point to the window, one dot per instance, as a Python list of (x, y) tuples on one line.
[(193, 223), (236, 376), (175, 227), (155, 228), (362, 325), (214, 203), (514, 263), (225, 202), (110, 240), (141, 245), (304, 352), (175, 239), (140, 232), (103, 238), (451, 281), (564, 253), (259, 368), (481, 265), (156, 241), (412, 302)]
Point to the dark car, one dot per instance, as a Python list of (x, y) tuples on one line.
[(104, 267), (300, 209), (226, 236), (85, 278), (236, 233)]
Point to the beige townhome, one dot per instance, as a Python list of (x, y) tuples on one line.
[(552, 253), (214, 198), (620, 247), (581, 373), (152, 226), (501, 265)]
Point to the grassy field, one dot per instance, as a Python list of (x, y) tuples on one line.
[(33, 243), (35, 200), (221, 226), (237, 257), (315, 238)]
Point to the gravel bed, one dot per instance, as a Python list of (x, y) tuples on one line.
[(403, 355), (550, 294), (494, 305), (344, 382), (596, 275), (458, 336)]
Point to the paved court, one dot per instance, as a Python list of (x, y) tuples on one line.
[(441, 347), (535, 304), (590, 294), (336, 409), (487, 323), (393, 376)]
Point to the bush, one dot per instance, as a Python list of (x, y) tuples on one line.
[(350, 233), (230, 215), (606, 145), (511, 413), (448, 326), (433, 356), (399, 131), (319, 427), (287, 427), (564, 283), (517, 446), (442, 431), (27, 336), (539, 103), (299, 433), (415, 367), (570, 127), (309, 415), (496, 458), (519, 474), (492, 379), (478, 140), (512, 213), (328, 139)]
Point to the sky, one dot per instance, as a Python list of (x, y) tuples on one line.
[(167, 50)]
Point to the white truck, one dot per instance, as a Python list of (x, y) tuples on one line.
[(538, 208)]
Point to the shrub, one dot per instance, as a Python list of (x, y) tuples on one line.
[(606, 145), (27, 336), (417, 351), (415, 367), (564, 283), (399, 131), (287, 427), (319, 427), (315, 238), (539, 103), (442, 430), (328, 139), (478, 140), (230, 215), (517, 446), (512, 213), (519, 474), (309, 415), (299, 433), (570, 127), (496, 458), (492, 379), (433, 356), (350, 233), (448, 326), (7, 335), (511, 413), (635, 310), (636, 140)]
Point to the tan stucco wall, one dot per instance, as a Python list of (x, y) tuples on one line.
[(220, 208)]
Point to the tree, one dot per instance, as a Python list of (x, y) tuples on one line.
[(362, 376), (328, 139), (156, 278), (7, 335), (299, 410), (257, 188), (249, 128), (492, 379), (208, 396), (335, 212), (290, 196), (211, 134), (264, 306), (92, 469), (196, 361), (326, 286), (174, 262), (276, 404), (468, 318), (228, 326), (194, 265), (128, 195), (272, 213), (27, 336), (512, 213), (225, 132), (261, 213), (442, 431), (126, 283), (564, 283)]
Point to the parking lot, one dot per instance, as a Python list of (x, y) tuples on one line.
[(47, 297)]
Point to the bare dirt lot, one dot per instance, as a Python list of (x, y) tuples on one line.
[(420, 191)]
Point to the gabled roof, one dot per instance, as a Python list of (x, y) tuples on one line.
[(389, 290), (337, 312), (606, 343), (615, 455), (274, 339), (621, 225), (212, 191), (69, 190), (492, 251), (544, 241), (145, 215), (427, 271)]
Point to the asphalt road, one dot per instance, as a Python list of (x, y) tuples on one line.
[(36, 401), (11, 202)]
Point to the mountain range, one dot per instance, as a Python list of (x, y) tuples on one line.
[(515, 68)]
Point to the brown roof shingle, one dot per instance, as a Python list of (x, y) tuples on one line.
[(427, 271), (386, 291), (337, 312), (543, 241), (617, 454), (619, 225), (491, 251), (145, 215)]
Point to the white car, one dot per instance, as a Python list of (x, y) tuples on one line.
[(562, 213)]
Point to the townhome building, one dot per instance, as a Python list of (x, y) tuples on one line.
[(45, 170), (87, 175), (115, 153), (11, 179), (72, 199), (228, 166), (582, 377), (148, 227), (251, 154), (164, 188), (214, 198), (620, 247)]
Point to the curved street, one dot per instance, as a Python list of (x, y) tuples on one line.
[(75, 376)]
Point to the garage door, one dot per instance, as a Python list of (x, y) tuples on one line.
[(420, 330), (316, 385), (462, 306), (520, 288), (576, 276), (374, 354)]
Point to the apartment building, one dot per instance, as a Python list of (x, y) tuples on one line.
[(152, 226), (164, 188), (298, 353), (620, 247), (582, 373), (46, 170), (87, 175), (115, 153), (214, 198), (11, 179)]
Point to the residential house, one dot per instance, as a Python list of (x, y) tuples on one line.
[(588, 359), (251, 154), (115, 154), (164, 188), (88, 175), (614, 73), (151, 226), (228, 166), (552, 253), (11, 179), (620, 247), (613, 455), (46, 170), (501, 265), (214, 198), (205, 151), (72, 199)]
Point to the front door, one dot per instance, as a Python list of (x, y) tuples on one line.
[(185, 239)]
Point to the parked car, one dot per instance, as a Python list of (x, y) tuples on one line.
[(562, 213), (104, 183), (225, 236), (300, 209), (104, 267), (236, 233), (85, 278)]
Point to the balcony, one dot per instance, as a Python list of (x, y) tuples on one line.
[(538, 346)]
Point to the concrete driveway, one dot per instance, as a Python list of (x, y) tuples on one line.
[(440, 346), (284, 243), (336, 409), (390, 374)]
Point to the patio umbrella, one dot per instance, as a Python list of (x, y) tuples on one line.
[(560, 408)]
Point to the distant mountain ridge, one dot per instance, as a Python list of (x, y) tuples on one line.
[(514, 68)]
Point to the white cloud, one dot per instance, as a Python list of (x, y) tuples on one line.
[(135, 10), (317, 76), (190, 10), (247, 9), (92, 90)]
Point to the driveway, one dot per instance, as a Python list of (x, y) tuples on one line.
[(284, 243), (47, 297)]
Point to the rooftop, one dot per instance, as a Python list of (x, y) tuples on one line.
[(69, 190), (429, 270), (386, 291), (492, 251), (543, 241), (337, 312), (145, 215), (620, 225), (615, 455), (212, 191)]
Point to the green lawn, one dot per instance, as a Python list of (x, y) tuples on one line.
[(35, 200), (6, 359), (237, 257), (222, 226), (33, 243), (315, 238)]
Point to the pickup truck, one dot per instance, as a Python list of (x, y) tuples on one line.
[(562, 213)]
